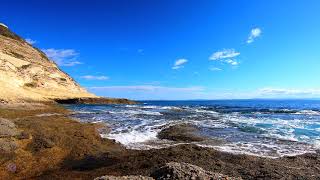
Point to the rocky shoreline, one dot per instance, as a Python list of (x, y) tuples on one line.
[(42, 142), (97, 100)]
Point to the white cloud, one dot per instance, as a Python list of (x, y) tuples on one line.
[(176, 67), (255, 32), (289, 92), (148, 92), (63, 57), (197, 92), (232, 62), (71, 63), (262, 93), (148, 88), (215, 69), (179, 63), (30, 41), (224, 54), (90, 77)]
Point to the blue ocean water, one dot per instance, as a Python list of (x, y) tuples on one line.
[(270, 128)]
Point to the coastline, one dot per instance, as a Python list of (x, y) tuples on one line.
[(49, 145)]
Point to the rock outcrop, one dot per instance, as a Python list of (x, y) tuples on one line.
[(175, 171), (181, 132), (28, 74), (8, 132), (185, 171), (100, 100)]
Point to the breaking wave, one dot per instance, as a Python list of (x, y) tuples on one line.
[(269, 130)]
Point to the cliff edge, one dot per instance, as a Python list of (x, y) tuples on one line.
[(26, 73)]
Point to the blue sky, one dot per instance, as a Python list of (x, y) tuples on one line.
[(178, 49)]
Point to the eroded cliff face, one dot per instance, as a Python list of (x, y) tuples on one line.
[(27, 74)]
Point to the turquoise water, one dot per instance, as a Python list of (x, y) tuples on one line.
[(271, 128)]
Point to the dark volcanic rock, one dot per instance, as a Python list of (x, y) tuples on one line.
[(97, 100), (185, 171), (181, 132)]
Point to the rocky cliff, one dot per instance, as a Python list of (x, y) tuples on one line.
[(26, 73)]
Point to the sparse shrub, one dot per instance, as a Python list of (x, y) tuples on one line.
[(31, 84), (7, 33), (63, 79), (25, 66), (17, 55)]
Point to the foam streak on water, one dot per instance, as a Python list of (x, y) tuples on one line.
[(269, 128)]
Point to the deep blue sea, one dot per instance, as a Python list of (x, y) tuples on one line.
[(270, 128)]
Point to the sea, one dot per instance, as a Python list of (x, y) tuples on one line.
[(267, 128)]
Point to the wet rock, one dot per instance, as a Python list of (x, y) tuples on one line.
[(7, 128), (103, 128), (124, 178), (181, 132), (185, 171)]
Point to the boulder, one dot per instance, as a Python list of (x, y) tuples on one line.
[(7, 128), (181, 132), (7, 145)]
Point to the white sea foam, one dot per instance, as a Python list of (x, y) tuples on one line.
[(136, 112), (48, 114), (131, 106), (160, 107), (205, 111), (264, 149), (149, 107), (132, 137), (85, 112), (171, 108), (317, 143), (308, 112)]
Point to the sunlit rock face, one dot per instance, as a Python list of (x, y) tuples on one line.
[(26, 73)]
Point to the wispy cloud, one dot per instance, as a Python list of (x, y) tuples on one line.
[(148, 92), (289, 92), (215, 69), (179, 63), (197, 92), (232, 62), (255, 32), (91, 77), (226, 56), (31, 41), (71, 63), (148, 88), (63, 57)]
